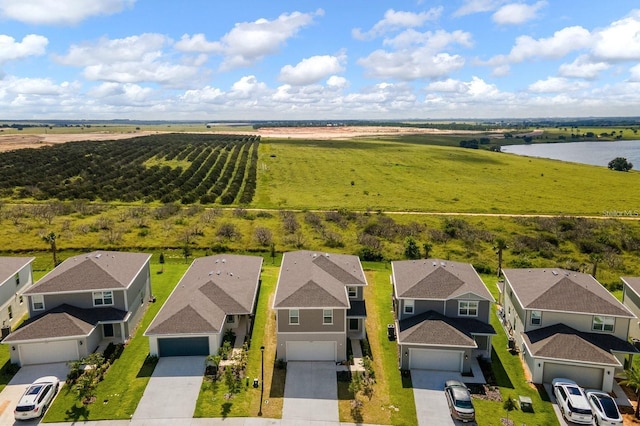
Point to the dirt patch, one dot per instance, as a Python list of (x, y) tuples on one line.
[(14, 141)]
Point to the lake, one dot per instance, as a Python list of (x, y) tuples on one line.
[(594, 153)]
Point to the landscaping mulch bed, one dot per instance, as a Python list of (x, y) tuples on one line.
[(484, 391)]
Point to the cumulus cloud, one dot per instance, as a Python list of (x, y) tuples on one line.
[(583, 67), (337, 82), (470, 7), (517, 13), (634, 73), (311, 70), (396, 20), (196, 43), (31, 45), (249, 42), (65, 12), (426, 60), (608, 41), (557, 85)]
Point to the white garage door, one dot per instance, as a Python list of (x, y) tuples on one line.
[(42, 353), (311, 351), (430, 359), (587, 377)]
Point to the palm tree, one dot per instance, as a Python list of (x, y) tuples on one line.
[(633, 381), (51, 239), (499, 246)]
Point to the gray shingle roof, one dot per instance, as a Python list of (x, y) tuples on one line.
[(633, 283), (64, 321), (562, 342), (432, 328), (312, 279), (9, 266), (212, 288), (562, 290), (436, 279), (98, 270)]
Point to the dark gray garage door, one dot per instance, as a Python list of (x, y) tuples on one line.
[(183, 346)]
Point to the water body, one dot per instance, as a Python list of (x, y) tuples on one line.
[(594, 153)]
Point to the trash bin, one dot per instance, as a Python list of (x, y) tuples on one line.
[(391, 332)]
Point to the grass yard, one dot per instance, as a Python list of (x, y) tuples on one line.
[(392, 175), (246, 403), (392, 401), (118, 395)]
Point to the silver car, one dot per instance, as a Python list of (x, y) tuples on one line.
[(605, 410), (37, 398), (459, 400)]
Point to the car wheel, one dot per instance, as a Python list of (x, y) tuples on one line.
[(44, 408)]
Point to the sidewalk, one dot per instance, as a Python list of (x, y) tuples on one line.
[(229, 421)]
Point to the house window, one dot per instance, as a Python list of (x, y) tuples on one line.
[(102, 298), (21, 299), (10, 310), (231, 319), (353, 292), (354, 324), (327, 316), (17, 279), (536, 317), (601, 323), (468, 308), (408, 306), (37, 302), (294, 317)]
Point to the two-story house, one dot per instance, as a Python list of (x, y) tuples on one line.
[(442, 313), (15, 276), (566, 324), (217, 293), (319, 303), (84, 302), (631, 299)]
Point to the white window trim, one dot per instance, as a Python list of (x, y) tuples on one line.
[(354, 290), (100, 295), (469, 303), (324, 316), (539, 318), (297, 316), (606, 320), (37, 299), (409, 303)]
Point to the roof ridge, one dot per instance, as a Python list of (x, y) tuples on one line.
[(311, 284)]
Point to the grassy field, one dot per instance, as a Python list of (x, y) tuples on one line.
[(388, 174)]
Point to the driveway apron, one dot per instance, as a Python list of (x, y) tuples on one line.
[(11, 394), (172, 391), (431, 403), (311, 392)]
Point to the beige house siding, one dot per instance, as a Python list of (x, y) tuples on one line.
[(80, 300)]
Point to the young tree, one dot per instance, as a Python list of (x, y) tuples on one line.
[(411, 249), (161, 260), (620, 164), (51, 238), (509, 405), (500, 245), (427, 250), (186, 252)]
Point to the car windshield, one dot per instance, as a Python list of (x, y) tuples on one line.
[(463, 403), (34, 390), (609, 408)]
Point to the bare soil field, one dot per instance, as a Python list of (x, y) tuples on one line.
[(12, 142)]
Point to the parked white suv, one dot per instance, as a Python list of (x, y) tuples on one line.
[(572, 401)]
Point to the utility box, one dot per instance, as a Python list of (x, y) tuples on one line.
[(391, 331)]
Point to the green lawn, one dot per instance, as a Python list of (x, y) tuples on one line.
[(118, 395)]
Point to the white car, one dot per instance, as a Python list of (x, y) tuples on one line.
[(37, 398), (605, 409), (572, 401)]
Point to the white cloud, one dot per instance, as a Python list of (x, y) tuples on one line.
[(557, 85), (31, 45), (620, 41), (635, 73), (583, 67), (447, 86), (477, 6), (207, 94), (247, 87), (61, 12), (395, 20), (517, 13), (196, 43), (561, 43), (249, 42), (122, 94), (111, 51), (336, 82), (311, 70), (436, 40)]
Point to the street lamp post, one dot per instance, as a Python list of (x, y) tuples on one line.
[(261, 379)]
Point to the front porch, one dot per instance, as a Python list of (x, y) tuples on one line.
[(356, 317)]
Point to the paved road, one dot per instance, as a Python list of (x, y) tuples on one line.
[(172, 391), (25, 376), (311, 392)]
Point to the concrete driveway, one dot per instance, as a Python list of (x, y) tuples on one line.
[(172, 391), (311, 392), (25, 376), (431, 403)]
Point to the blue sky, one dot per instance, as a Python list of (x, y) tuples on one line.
[(355, 59)]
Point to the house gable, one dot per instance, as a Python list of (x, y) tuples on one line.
[(311, 294)]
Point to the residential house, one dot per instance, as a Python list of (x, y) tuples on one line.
[(15, 276), (84, 303), (566, 324), (319, 303), (631, 299), (442, 311), (216, 294)]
